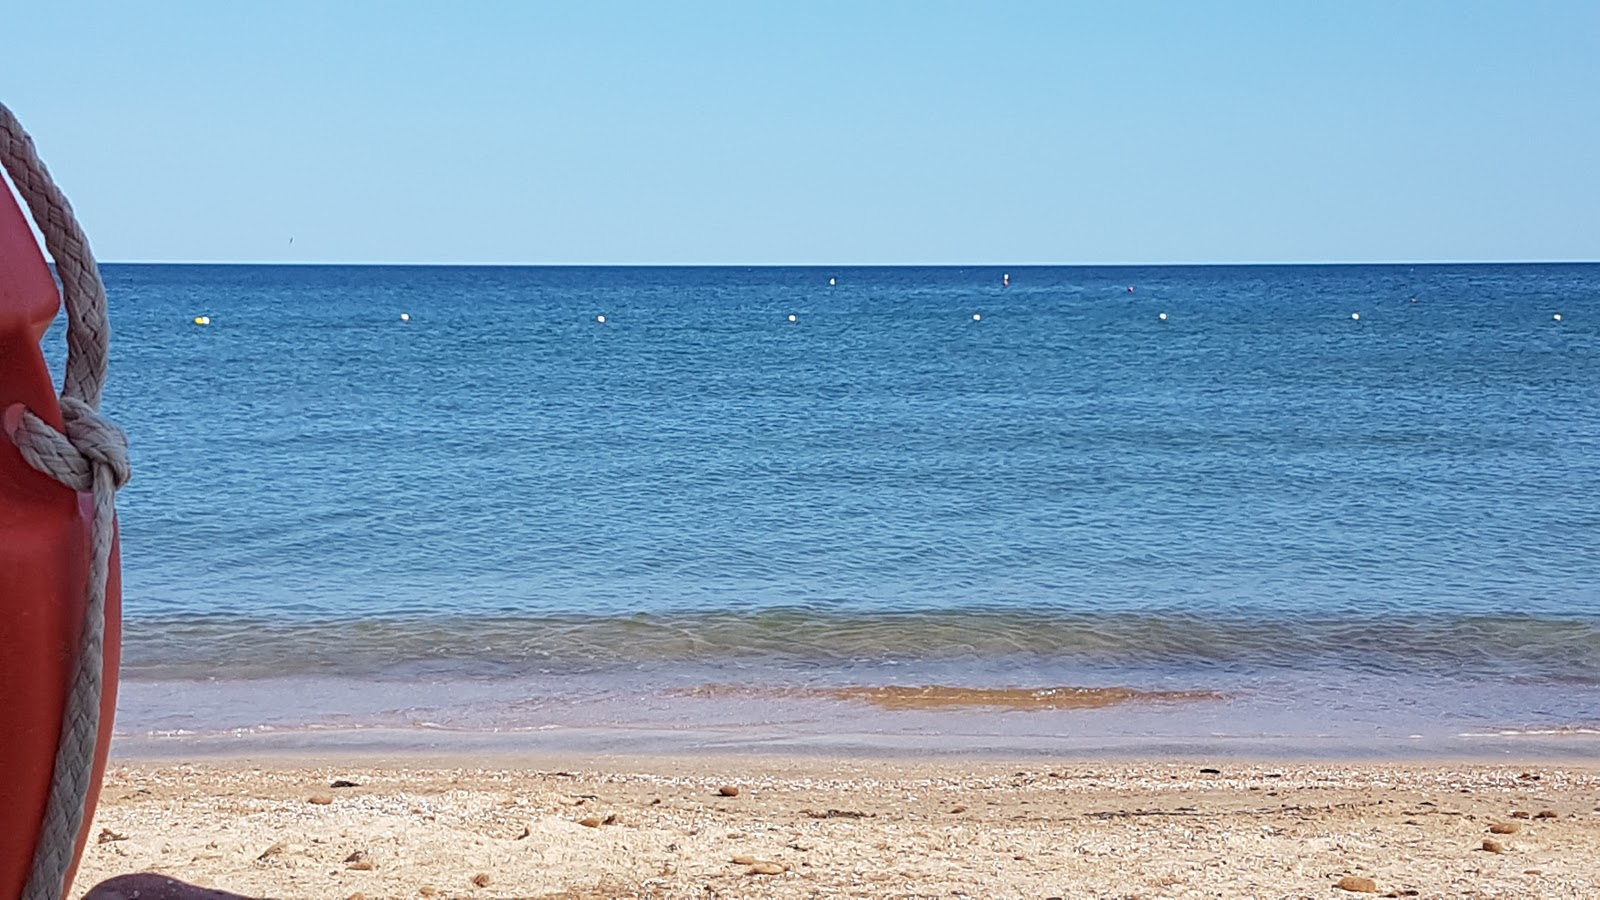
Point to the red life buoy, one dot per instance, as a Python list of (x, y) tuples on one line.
[(44, 569)]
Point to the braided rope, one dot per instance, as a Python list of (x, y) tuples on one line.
[(92, 456)]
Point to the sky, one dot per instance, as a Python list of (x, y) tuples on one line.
[(818, 133)]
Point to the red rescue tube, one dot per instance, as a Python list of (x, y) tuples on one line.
[(44, 570)]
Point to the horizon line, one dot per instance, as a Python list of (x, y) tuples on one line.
[(825, 265)]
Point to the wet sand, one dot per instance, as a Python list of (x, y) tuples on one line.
[(749, 826), (946, 697)]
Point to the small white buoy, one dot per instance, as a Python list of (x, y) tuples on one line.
[(405, 317), (1005, 280), (1558, 317), (1163, 317), (600, 319), (1355, 317), (831, 282), (791, 317), (977, 317), (202, 320)]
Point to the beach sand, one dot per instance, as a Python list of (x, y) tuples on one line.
[(858, 827)]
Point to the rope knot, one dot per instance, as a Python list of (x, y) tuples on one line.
[(70, 458)]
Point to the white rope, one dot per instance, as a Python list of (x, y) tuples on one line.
[(92, 456)]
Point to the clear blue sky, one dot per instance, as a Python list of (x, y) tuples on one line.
[(837, 133)]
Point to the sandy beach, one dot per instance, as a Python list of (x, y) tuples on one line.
[(747, 826)]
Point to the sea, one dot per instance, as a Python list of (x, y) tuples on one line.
[(1346, 510)]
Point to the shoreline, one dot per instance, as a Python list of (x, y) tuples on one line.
[(947, 737), (354, 750), (574, 826), (910, 717)]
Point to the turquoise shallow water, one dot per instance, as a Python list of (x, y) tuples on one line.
[(523, 517)]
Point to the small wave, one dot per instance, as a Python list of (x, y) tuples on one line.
[(1524, 648), (1554, 731)]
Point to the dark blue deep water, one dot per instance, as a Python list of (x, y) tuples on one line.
[(1259, 495)]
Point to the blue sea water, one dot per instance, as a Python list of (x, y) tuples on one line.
[(506, 514)]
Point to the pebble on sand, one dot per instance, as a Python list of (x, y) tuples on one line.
[(342, 783), (1493, 846), (321, 799), (274, 850), (767, 867), (1358, 884), (728, 790), (481, 879), (1520, 814), (107, 836), (591, 822), (1548, 814), (359, 861), (1504, 828), (743, 860)]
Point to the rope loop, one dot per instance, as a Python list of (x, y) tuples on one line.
[(90, 457)]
